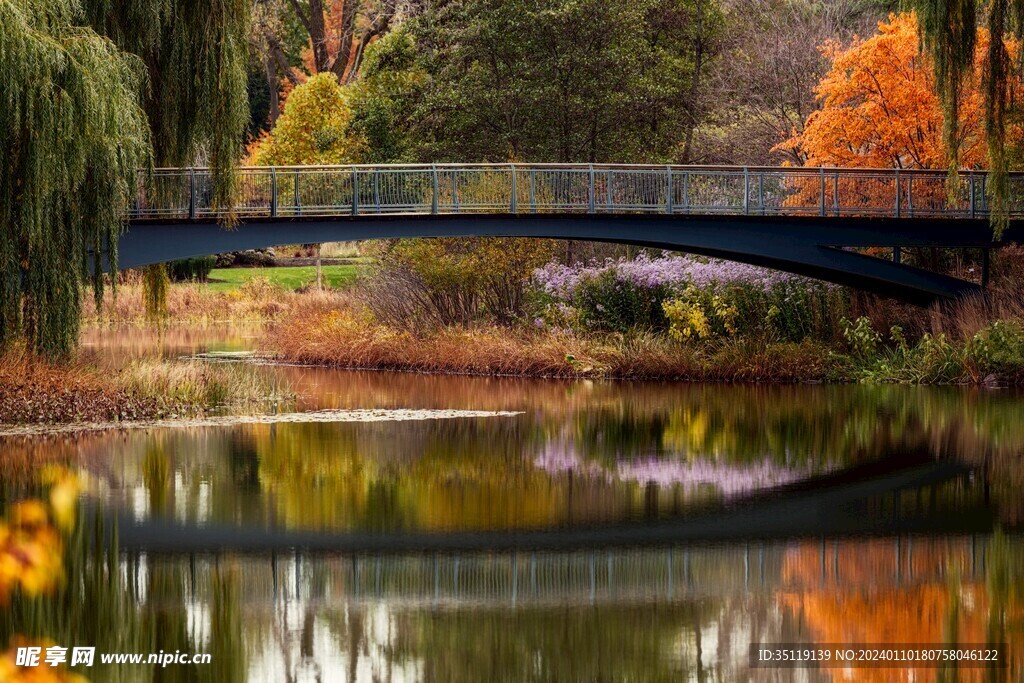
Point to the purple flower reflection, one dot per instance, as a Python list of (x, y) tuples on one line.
[(727, 480)]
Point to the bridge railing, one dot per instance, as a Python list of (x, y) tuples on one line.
[(297, 191)]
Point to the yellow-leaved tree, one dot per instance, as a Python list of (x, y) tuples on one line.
[(313, 129)]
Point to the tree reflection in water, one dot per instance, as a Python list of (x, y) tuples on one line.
[(582, 453)]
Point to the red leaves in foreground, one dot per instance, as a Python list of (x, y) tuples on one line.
[(36, 392)]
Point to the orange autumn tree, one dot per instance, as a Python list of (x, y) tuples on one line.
[(879, 108)]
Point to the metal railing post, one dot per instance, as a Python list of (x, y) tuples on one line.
[(668, 193), (355, 191), (910, 195), (898, 202), (298, 204), (455, 190), (533, 191), (590, 196), (746, 191), (821, 171), (971, 199), (273, 192), (376, 188), (191, 193), (835, 192), (514, 206), (686, 191), (760, 191), (433, 195)]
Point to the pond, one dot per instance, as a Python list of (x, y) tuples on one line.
[(413, 527)]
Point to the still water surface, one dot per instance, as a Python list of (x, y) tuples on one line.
[(563, 531)]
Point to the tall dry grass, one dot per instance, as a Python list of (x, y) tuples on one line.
[(38, 391), (256, 300), (1004, 299), (196, 386), (349, 337), (33, 390)]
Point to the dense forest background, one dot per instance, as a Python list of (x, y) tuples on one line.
[(683, 81)]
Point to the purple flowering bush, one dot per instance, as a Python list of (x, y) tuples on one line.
[(623, 295)]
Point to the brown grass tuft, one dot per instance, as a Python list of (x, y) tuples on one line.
[(350, 338)]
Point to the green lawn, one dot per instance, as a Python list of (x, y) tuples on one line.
[(289, 277)]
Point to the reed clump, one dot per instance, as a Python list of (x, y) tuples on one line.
[(255, 301), (37, 391), (350, 338)]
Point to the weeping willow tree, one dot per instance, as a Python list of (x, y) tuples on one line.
[(950, 33), (93, 91), (196, 55), (72, 135)]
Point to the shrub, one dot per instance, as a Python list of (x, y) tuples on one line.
[(191, 269), (997, 350), (861, 337), (611, 303), (444, 282), (625, 295), (699, 314)]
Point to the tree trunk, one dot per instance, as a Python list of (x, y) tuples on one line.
[(270, 67), (319, 271), (698, 65)]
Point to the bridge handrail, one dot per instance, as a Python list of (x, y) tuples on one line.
[(519, 166), (511, 188)]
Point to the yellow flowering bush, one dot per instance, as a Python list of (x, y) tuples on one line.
[(32, 562), (699, 314), (10, 672), (687, 320)]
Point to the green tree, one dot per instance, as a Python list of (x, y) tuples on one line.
[(391, 81), (552, 80), (77, 121), (72, 135), (196, 54)]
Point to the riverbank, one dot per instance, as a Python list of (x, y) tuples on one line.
[(665, 317), (255, 300), (339, 335), (345, 339), (34, 391)]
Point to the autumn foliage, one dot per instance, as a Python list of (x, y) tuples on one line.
[(313, 128), (877, 592), (879, 108)]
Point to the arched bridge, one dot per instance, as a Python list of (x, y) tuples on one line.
[(808, 221)]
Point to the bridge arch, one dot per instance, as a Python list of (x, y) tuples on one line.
[(808, 246)]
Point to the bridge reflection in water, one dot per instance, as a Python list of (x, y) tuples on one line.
[(529, 578), (793, 219)]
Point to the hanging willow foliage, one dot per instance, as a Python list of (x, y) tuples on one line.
[(196, 56), (72, 136), (949, 32)]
